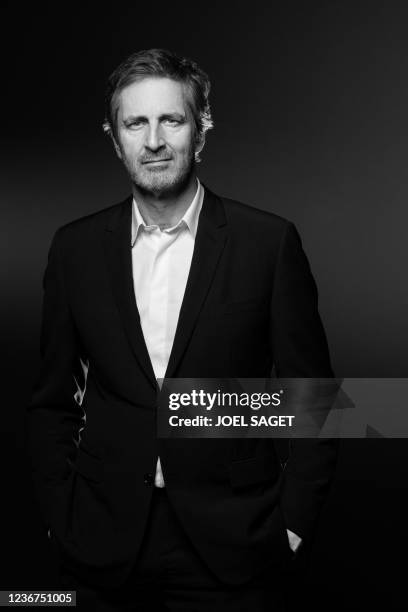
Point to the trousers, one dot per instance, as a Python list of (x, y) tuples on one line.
[(169, 575)]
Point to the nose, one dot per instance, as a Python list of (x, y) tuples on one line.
[(154, 137)]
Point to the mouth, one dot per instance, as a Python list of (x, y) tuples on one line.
[(154, 162)]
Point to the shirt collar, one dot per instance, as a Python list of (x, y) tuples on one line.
[(189, 219)]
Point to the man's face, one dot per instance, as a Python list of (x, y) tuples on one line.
[(155, 135)]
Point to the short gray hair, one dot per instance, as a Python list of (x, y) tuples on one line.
[(161, 63)]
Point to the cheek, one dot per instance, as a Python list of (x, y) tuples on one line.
[(130, 145), (131, 151), (183, 141), (184, 147)]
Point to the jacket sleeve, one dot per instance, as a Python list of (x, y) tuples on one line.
[(53, 416), (300, 350)]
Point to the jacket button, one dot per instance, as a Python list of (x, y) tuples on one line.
[(148, 479)]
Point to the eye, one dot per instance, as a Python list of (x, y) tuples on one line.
[(136, 123), (173, 122)]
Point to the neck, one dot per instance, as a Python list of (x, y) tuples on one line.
[(165, 210)]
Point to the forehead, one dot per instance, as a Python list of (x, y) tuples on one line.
[(152, 97)]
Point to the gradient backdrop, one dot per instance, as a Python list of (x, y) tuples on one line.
[(310, 106)]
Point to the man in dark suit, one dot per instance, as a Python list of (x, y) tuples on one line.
[(173, 282)]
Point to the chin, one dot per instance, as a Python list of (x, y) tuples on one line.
[(161, 182)]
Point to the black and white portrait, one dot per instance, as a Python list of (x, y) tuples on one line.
[(201, 192)]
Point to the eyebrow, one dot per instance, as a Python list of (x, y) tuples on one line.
[(175, 115)]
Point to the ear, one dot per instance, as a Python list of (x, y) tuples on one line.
[(108, 130), (116, 146), (200, 142)]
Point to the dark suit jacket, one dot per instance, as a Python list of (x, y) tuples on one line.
[(250, 302)]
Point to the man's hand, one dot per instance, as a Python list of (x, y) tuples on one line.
[(294, 540)]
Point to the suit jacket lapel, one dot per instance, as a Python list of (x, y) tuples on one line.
[(119, 259), (209, 244)]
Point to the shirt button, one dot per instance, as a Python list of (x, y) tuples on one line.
[(148, 479)]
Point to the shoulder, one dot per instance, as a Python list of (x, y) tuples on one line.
[(256, 222), (90, 225), (236, 210)]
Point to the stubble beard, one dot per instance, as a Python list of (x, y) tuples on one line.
[(161, 182)]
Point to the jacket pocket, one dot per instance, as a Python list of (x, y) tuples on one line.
[(88, 466), (244, 305)]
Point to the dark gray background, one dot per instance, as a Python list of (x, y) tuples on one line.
[(310, 107)]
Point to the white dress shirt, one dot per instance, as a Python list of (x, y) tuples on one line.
[(161, 262)]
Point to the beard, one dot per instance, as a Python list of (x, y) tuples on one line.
[(161, 181)]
